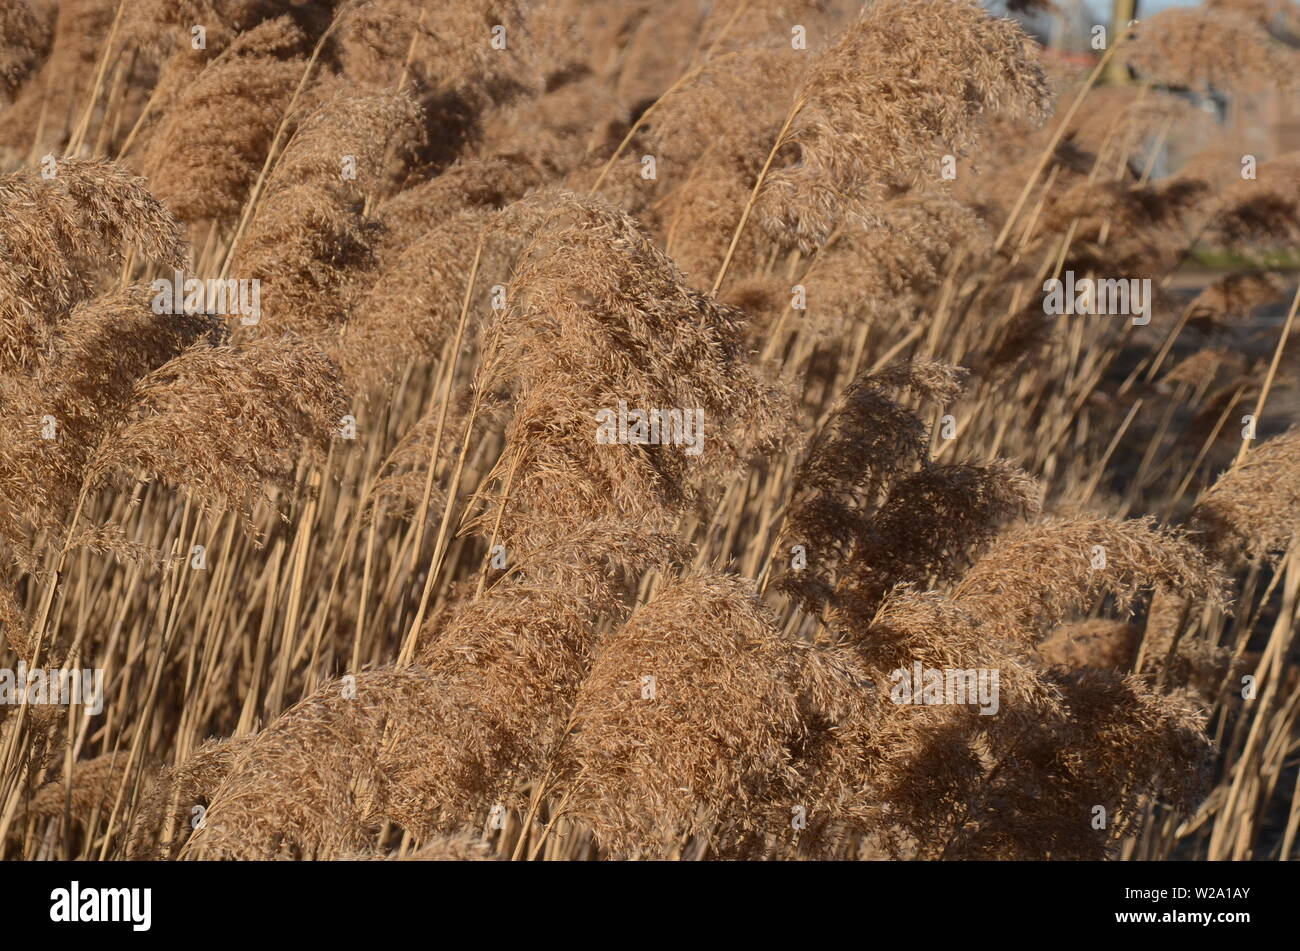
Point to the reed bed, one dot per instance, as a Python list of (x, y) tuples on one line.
[(378, 559)]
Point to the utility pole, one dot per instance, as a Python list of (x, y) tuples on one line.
[(1123, 12)]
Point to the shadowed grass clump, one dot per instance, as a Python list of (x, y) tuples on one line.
[(868, 442)]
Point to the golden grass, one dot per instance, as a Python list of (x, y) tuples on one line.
[(365, 584)]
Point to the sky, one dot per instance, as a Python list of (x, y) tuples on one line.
[(1146, 7), (1101, 8)]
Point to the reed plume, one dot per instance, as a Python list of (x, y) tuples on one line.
[(23, 41), (682, 728), (227, 422), (311, 239), (1259, 212), (460, 59), (1208, 48), (80, 393), (863, 133), (209, 147), (1280, 17), (413, 307), (94, 788), (312, 784), (885, 272), (1234, 297), (1117, 747), (597, 316), (1036, 575), (47, 106), (1251, 510), (933, 523), (869, 441), (427, 747), (485, 183), (57, 235), (167, 806)]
